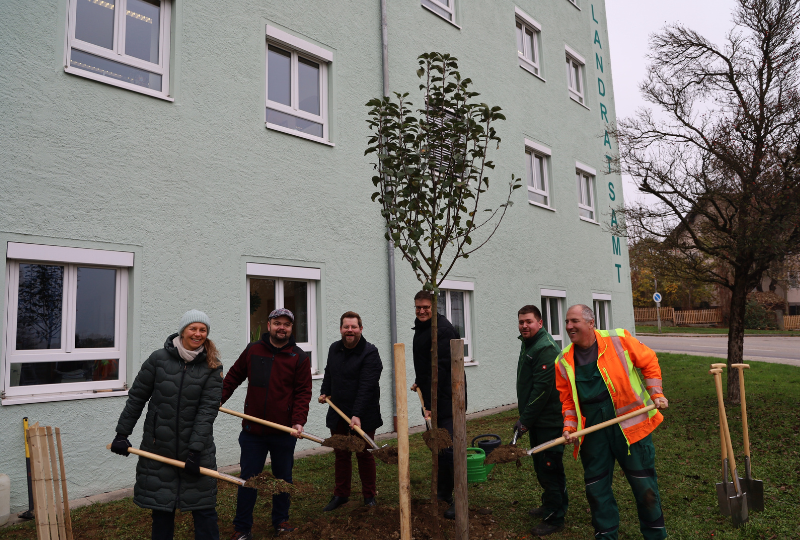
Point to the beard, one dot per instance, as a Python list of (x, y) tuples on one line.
[(279, 340)]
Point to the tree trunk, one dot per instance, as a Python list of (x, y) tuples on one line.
[(736, 333), (435, 409)]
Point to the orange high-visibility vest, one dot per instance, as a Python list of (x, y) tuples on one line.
[(632, 376)]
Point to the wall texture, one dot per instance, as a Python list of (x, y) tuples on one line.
[(198, 187)]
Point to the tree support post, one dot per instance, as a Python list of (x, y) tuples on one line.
[(459, 439), (403, 471)]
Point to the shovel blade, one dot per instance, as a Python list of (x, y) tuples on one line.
[(722, 497), (738, 505), (754, 489)]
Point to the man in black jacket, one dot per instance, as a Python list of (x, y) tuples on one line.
[(352, 382), (423, 305)]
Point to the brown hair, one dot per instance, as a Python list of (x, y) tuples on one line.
[(350, 315), (212, 354), (530, 309), (424, 295)]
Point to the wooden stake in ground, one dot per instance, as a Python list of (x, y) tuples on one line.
[(67, 517), (459, 439), (48, 482), (62, 533), (403, 470), (39, 498)]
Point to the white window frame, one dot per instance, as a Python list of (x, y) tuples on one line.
[(583, 171), (117, 54), (299, 48), (450, 10), (468, 288), (575, 88), (533, 148), (602, 302), (70, 259), (560, 296), (526, 22), (280, 273), (574, 3)]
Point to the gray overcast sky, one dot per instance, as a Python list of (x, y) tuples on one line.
[(631, 22)]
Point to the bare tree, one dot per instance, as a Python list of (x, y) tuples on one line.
[(721, 153)]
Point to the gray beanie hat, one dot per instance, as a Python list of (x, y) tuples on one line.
[(193, 316)]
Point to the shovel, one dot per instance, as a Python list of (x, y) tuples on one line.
[(385, 453), (754, 488), (435, 440), (738, 501), (271, 424), (725, 489)]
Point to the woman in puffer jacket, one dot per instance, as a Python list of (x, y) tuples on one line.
[(182, 386)]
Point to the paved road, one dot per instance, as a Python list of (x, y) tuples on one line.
[(776, 349)]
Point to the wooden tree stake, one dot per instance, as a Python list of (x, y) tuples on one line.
[(62, 533), (459, 439), (67, 517), (403, 470)]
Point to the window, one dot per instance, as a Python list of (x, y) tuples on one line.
[(536, 162), (602, 311), (454, 303), (272, 286), (528, 33), (66, 320), (297, 86), (553, 313), (585, 182), (443, 8), (575, 63), (120, 42)]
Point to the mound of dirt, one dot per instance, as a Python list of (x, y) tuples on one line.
[(437, 439), (351, 443), (267, 484), (387, 454), (505, 454)]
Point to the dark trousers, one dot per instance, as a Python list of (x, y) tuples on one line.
[(599, 451), (343, 469), (255, 449), (549, 467), (205, 524)]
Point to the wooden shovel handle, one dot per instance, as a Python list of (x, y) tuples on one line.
[(358, 429), (745, 432), (181, 465), (723, 419), (719, 366), (422, 404), (592, 429), (271, 424)]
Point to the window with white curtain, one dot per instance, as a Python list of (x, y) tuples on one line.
[(443, 8), (575, 72), (585, 177), (454, 303), (528, 41), (602, 311), (553, 313)]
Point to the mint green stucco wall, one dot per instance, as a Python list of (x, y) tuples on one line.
[(199, 187)]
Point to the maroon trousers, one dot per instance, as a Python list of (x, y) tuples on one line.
[(343, 469)]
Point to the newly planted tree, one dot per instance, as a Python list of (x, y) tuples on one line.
[(431, 168)]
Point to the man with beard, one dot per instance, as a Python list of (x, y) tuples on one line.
[(352, 381), (278, 390)]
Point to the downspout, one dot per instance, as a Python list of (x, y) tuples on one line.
[(390, 245)]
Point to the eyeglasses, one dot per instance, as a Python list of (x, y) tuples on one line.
[(422, 308)]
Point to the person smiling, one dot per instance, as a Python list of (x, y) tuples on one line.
[(182, 385), (352, 381)]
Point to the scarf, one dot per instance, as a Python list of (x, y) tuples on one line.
[(185, 353)]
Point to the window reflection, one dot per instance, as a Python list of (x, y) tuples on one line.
[(38, 373), (295, 299), (279, 76), (94, 22), (39, 310), (142, 29), (95, 310), (262, 302), (308, 85)]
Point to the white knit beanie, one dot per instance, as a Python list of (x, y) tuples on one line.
[(193, 316)]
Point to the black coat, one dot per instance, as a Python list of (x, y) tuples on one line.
[(422, 363), (352, 381)]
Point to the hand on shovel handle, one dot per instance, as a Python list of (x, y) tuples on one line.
[(350, 422), (426, 414), (181, 465)]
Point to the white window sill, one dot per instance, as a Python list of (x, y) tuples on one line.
[(112, 82), (298, 134), (440, 16), (525, 64), (587, 220), (471, 363), (66, 396), (578, 101), (317, 376), (540, 205)]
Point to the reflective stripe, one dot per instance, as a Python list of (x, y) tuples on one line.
[(620, 353), (570, 423), (629, 408), (655, 390), (630, 422), (573, 413), (562, 370), (653, 382)]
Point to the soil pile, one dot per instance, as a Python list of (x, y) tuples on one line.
[(505, 454), (350, 443), (267, 484), (437, 439), (387, 454)]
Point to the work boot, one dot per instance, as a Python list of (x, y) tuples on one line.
[(283, 528), (239, 535), (450, 513), (444, 491), (335, 503), (370, 501), (537, 512), (544, 529)]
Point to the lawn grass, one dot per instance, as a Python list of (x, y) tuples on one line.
[(687, 463), (698, 330)]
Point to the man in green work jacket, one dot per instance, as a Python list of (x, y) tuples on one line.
[(540, 415)]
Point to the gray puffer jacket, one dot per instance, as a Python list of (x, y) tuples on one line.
[(183, 403)]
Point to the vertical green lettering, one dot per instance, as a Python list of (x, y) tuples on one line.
[(595, 20), (603, 112), (615, 245), (607, 140), (619, 279), (599, 61), (611, 194), (613, 217), (601, 87), (608, 159), (597, 39)]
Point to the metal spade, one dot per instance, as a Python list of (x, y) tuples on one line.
[(754, 488)]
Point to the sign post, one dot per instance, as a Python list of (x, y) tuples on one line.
[(657, 300)]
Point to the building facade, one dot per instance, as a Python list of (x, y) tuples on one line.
[(162, 155)]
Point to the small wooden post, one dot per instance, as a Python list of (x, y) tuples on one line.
[(67, 517), (48, 482), (459, 439), (62, 533), (403, 470), (37, 476)]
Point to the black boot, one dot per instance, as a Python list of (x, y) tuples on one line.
[(444, 491)]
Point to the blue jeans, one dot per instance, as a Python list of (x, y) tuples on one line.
[(205, 524), (255, 449)]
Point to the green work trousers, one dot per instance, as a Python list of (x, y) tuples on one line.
[(598, 452), (549, 467)]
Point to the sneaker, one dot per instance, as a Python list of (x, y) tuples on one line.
[(335, 503), (544, 529), (370, 501), (283, 528), (239, 535)]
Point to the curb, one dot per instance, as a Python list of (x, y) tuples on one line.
[(671, 334)]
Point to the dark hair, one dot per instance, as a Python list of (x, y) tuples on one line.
[(530, 309), (350, 315), (424, 295)]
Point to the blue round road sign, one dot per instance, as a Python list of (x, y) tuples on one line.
[(657, 297)]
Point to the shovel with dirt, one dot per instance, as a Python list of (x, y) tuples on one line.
[(385, 453), (754, 488), (436, 439)]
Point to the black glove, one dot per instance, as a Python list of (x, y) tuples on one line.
[(120, 445), (520, 427), (193, 464)]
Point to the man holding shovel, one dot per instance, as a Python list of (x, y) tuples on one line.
[(352, 379), (598, 379), (278, 390), (539, 407)]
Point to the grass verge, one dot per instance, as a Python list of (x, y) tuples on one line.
[(687, 464)]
